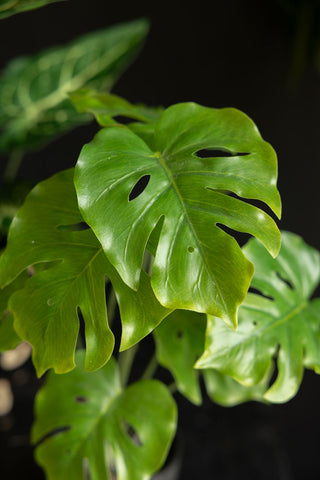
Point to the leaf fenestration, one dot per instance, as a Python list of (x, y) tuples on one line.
[(282, 322), (35, 106), (128, 431), (197, 265)]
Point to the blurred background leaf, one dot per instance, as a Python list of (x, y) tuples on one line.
[(11, 7), (34, 90)]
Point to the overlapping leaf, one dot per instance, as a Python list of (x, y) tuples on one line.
[(103, 106), (34, 90), (11, 7), (88, 427), (48, 229), (281, 322), (179, 343), (197, 265)]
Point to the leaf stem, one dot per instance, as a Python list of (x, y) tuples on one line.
[(151, 368), (125, 363), (13, 165)]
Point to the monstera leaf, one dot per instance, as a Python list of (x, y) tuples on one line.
[(87, 426), (49, 229), (197, 265), (103, 106), (179, 343), (11, 7), (34, 90), (280, 321)]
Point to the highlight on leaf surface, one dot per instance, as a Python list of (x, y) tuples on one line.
[(11, 7), (87, 426), (48, 230), (35, 106), (197, 266), (276, 320)]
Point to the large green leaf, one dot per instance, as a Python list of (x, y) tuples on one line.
[(11, 7), (88, 427), (179, 343), (48, 229), (34, 90), (281, 322), (197, 265)]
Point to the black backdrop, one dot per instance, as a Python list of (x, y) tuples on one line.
[(232, 54)]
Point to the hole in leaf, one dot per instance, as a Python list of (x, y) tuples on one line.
[(139, 187), (50, 302), (190, 249), (207, 153), (275, 371), (258, 292), (131, 433), (284, 280), (179, 334), (86, 469), (240, 237), (75, 227), (53, 433), (81, 399), (113, 471)]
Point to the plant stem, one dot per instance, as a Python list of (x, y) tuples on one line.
[(151, 368), (125, 362), (172, 387), (13, 165)]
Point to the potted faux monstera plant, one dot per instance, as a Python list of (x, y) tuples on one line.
[(144, 224)]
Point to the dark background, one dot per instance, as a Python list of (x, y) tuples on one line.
[(259, 57)]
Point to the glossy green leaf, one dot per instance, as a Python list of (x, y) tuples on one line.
[(11, 7), (8, 336), (89, 427), (197, 265), (49, 228), (34, 90), (282, 322), (179, 343), (106, 106), (227, 392)]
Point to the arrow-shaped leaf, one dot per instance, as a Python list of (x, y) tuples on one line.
[(197, 265), (281, 321), (11, 7), (88, 427), (34, 90)]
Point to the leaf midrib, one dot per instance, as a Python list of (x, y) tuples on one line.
[(162, 161)]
